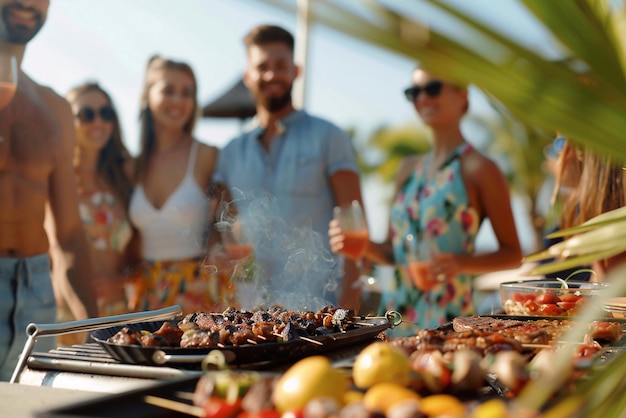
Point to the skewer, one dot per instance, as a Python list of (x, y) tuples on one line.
[(553, 344), (311, 341), (364, 324), (184, 395), (261, 337), (184, 408), (251, 341), (530, 345)]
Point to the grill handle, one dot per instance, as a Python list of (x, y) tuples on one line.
[(93, 324), (38, 330)]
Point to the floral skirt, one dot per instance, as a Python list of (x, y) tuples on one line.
[(186, 283)]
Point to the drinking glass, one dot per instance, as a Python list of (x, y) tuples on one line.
[(352, 221), (235, 243), (238, 256), (419, 254), (8, 78)]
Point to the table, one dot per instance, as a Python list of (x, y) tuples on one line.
[(21, 401)]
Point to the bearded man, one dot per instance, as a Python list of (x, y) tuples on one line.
[(305, 165), (36, 150)]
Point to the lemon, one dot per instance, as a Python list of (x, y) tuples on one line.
[(493, 408), (382, 396), (442, 404), (381, 362), (307, 379)]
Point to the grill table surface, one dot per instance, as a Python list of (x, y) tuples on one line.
[(22, 401), (88, 367)]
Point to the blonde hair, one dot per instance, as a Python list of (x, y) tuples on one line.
[(600, 189)]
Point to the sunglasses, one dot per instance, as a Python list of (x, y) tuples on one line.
[(87, 114), (432, 89)]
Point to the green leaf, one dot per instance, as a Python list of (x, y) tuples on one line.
[(573, 262)]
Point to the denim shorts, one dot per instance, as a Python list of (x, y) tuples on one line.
[(26, 296)]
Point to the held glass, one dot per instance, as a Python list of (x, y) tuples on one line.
[(352, 221), (8, 79), (419, 254)]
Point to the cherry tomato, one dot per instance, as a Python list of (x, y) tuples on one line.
[(219, 408), (270, 413), (293, 414), (547, 299)]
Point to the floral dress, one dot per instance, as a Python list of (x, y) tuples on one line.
[(440, 208)]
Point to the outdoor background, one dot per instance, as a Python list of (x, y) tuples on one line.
[(355, 85)]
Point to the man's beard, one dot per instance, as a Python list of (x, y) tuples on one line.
[(274, 104), (18, 34)]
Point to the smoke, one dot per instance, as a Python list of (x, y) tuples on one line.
[(291, 265)]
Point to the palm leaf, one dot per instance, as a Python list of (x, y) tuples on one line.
[(572, 262), (541, 92)]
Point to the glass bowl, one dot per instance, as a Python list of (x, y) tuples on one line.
[(546, 297)]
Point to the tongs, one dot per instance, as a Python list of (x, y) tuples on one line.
[(92, 324)]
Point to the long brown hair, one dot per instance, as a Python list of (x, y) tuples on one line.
[(114, 154), (156, 65), (600, 189)]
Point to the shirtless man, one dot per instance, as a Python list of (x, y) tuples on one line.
[(36, 151)]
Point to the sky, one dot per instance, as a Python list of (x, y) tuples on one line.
[(111, 41), (348, 82)]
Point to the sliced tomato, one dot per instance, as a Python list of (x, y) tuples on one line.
[(547, 299), (550, 310), (522, 297), (531, 307), (570, 297), (567, 306)]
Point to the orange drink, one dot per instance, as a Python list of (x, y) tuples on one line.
[(7, 90), (355, 243), (420, 274), (238, 251)]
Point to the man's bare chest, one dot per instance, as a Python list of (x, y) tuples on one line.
[(29, 138)]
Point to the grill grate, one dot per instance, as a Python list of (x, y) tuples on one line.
[(91, 359)]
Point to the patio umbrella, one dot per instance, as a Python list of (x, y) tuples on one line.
[(234, 103)]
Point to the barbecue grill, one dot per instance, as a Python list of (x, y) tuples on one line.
[(88, 366), (103, 367)]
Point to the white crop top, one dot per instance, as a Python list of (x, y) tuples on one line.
[(178, 230)]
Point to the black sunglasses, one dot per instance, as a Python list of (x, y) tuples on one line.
[(432, 89), (87, 114)]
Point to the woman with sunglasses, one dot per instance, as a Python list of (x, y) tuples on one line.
[(171, 204), (443, 196), (102, 168)]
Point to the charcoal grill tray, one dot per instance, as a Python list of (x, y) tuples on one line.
[(244, 354)]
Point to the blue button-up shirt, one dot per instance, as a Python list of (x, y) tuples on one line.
[(293, 176)]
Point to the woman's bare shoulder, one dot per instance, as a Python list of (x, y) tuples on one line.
[(477, 163), (206, 152)]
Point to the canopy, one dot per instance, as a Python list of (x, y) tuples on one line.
[(234, 103)]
